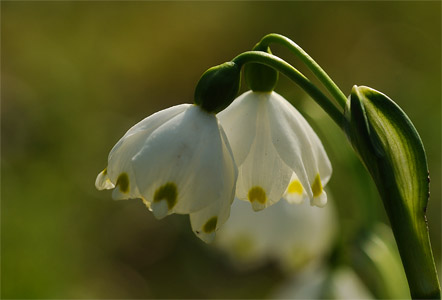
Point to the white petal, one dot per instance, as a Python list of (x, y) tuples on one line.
[(149, 124), (321, 200), (159, 209), (120, 157), (239, 123), (288, 140), (103, 182), (263, 177), (295, 193), (206, 221), (186, 163), (321, 159), (297, 143)]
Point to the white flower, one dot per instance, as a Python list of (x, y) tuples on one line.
[(177, 160), (323, 283), (293, 235), (277, 152)]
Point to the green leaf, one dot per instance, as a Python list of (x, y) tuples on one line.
[(392, 151), (377, 262)]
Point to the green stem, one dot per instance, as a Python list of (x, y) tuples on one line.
[(310, 62), (289, 71)]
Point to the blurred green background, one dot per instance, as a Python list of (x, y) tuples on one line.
[(76, 75)]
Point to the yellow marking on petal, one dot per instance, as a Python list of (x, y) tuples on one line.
[(123, 183), (167, 192), (210, 225), (295, 187), (317, 186), (257, 193), (105, 171)]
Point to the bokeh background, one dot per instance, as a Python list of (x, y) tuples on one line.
[(76, 75)]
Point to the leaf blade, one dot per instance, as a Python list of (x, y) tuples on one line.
[(392, 151)]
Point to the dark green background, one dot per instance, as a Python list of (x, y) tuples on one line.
[(77, 75)]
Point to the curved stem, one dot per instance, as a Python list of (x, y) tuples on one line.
[(310, 62), (289, 71)]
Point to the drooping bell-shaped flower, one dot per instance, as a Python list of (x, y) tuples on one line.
[(295, 236), (179, 161), (277, 152), (321, 282)]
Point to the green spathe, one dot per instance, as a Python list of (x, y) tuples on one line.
[(218, 87), (392, 151)]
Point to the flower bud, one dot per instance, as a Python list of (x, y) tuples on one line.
[(218, 87)]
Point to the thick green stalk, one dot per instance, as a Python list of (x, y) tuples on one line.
[(309, 62), (289, 71)]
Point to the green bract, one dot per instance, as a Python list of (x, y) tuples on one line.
[(392, 151), (218, 87), (259, 77)]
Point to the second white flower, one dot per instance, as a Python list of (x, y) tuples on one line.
[(277, 152)]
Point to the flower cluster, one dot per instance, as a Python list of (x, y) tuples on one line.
[(187, 160)]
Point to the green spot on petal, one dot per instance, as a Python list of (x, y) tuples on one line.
[(123, 182), (167, 192), (317, 186), (257, 193), (210, 225)]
